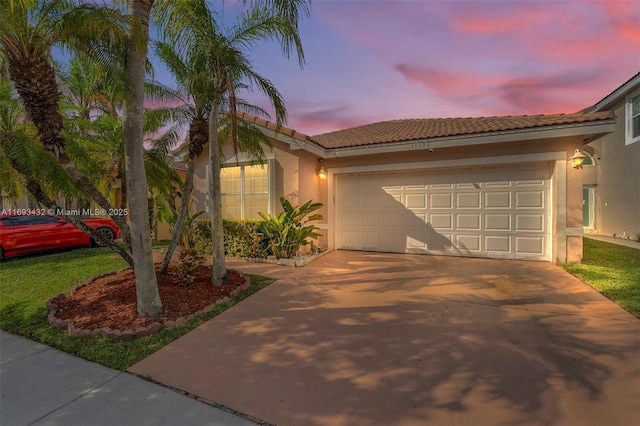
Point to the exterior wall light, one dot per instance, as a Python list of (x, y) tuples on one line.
[(577, 159), (322, 173)]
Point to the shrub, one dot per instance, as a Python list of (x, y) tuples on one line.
[(288, 231), (190, 259), (202, 237), (242, 238)]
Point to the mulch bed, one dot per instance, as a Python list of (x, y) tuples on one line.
[(109, 302)]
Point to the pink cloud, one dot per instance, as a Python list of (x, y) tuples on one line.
[(447, 83), (624, 16)]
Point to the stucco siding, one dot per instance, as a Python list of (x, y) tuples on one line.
[(617, 190)]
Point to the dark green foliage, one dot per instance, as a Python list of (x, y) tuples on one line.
[(289, 231), (242, 238)]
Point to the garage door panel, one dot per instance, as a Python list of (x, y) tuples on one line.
[(497, 200), (494, 243), (497, 222), (468, 243), (530, 222), (416, 201), (468, 200), (468, 222), (529, 245), (441, 221), (481, 212), (529, 199), (440, 201), (370, 220)]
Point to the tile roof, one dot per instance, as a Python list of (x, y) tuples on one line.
[(282, 130), (418, 129)]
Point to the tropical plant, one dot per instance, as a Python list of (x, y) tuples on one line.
[(289, 230), (194, 28)]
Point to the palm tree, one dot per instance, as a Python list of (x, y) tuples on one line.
[(29, 29), (190, 72), (148, 297), (194, 28), (25, 165)]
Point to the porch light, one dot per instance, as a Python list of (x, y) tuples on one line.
[(577, 159), (322, 173)]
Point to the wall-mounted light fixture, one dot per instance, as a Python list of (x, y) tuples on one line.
[(577, 159), (322, 173)]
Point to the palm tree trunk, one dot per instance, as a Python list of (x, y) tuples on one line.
[(148, 297), (182, 215), (218, 269)]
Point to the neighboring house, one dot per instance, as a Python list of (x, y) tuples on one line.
[(611, 193), (500, 187)]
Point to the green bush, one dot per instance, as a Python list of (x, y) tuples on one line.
[(242, 238)]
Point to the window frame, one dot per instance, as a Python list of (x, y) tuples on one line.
[(242, 160), (629, 119)]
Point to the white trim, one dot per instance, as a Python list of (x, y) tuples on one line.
[(628, 120)]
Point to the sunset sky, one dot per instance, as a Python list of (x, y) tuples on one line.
[(370, 61)]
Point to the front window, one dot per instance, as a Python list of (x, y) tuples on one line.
[(633, 120), (245, 191)]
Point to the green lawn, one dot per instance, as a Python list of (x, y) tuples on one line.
[(27, 283), (613, 270)]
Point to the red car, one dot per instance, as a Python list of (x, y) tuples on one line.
[(31, 233)]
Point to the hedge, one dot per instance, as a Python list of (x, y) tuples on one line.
[(242, 238)]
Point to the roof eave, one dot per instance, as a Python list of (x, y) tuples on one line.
[(588, 130)]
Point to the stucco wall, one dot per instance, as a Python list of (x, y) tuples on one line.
[(617, 192)]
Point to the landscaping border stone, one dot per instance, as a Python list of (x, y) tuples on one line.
[(52, 306), (298, 261)]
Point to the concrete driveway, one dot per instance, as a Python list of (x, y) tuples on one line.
[(361, 338)]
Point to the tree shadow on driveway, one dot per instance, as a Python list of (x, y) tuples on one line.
[(370, 339)]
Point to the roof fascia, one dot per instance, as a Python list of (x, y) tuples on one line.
[(295, 144), (581, 129), (618, 94)]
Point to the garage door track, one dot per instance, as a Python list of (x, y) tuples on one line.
[(360, 338)]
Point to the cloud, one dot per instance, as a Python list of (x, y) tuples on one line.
[(509, 94)]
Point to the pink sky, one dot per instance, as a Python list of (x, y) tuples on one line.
[(370, 61)]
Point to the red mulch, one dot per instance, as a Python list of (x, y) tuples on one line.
[(111, 301)]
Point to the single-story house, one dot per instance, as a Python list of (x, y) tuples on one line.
[(499, 187), (611, 176)]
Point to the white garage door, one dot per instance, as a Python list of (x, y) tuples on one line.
[(479, 212)]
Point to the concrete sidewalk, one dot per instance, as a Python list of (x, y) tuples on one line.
[(43, 386)]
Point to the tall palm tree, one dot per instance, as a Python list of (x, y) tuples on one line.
[(195, 28), (148, 297), (191, 72), (29, 29)]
